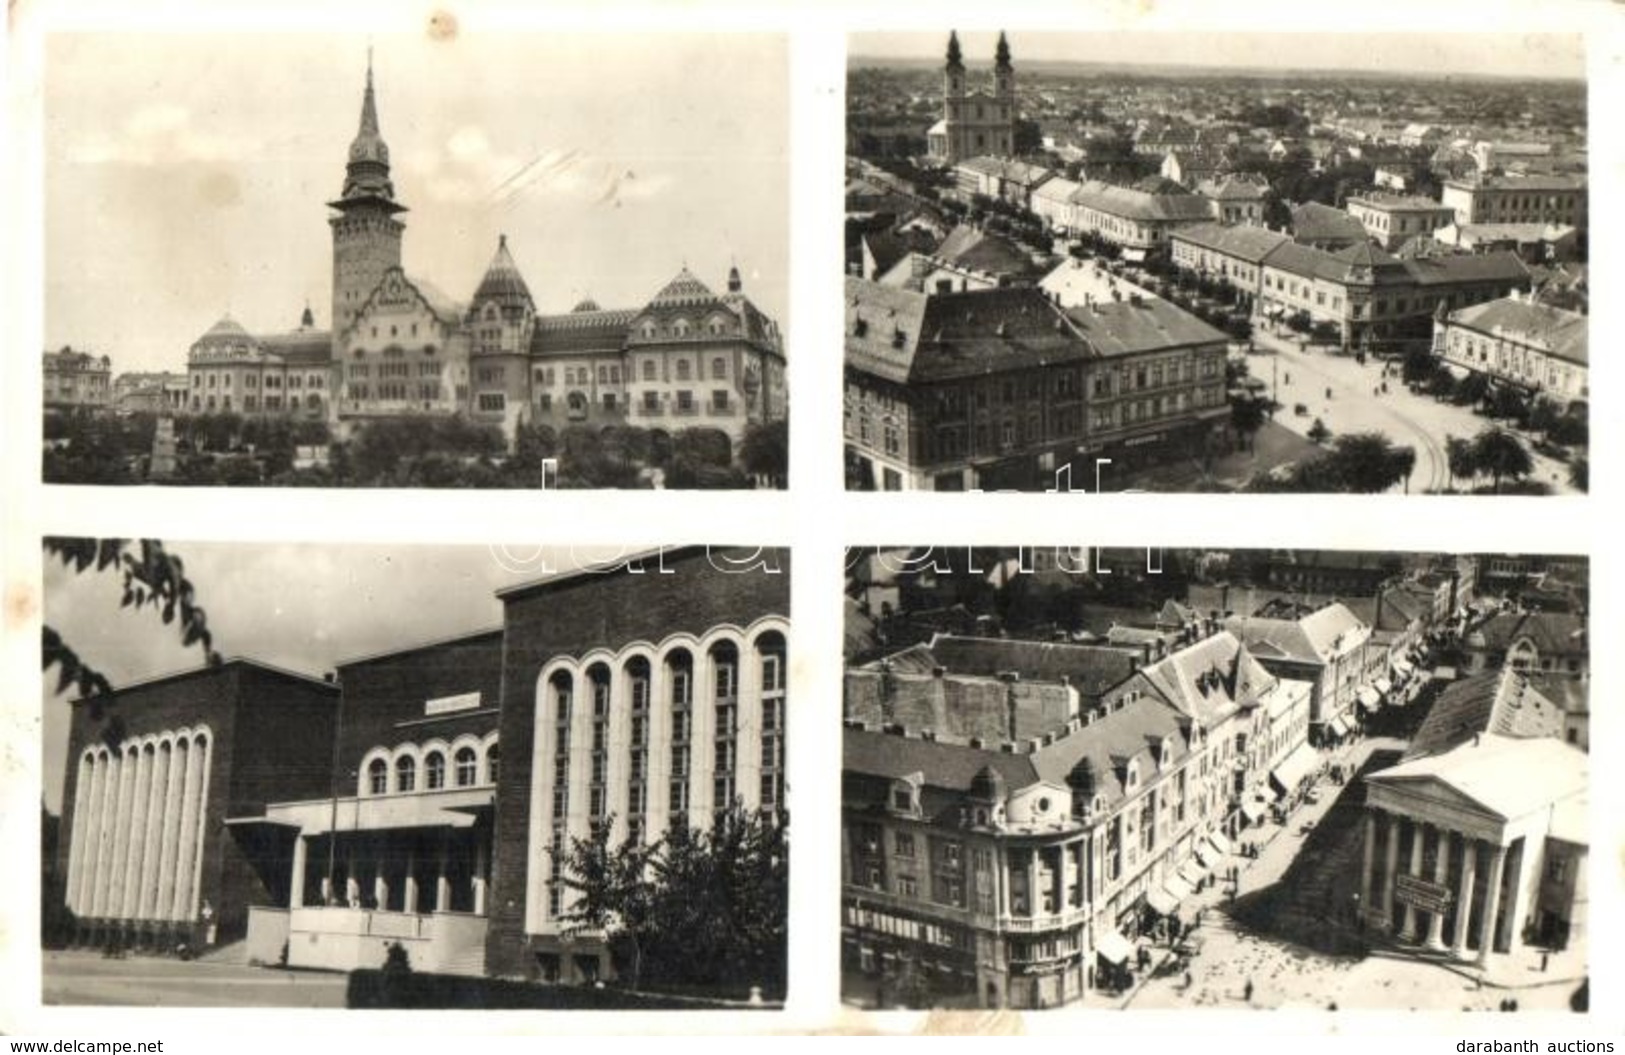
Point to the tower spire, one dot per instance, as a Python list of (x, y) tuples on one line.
[(1001, 55), (954, 57)]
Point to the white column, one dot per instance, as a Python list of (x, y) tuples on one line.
[(617, 739), (205, 749), (1407, 930), (442, 885), (1441, 873), (380, 889), (141, 793), (169, 846), (1509, 919), (703, 755), (1389, 870), (76, 839), (1492, 902), (106, 805), (409, 886), (296, 882), (129, 763), (748, 739), (1464, 897), (186, 849), (1368, 822), (152, 841), (479, 876)]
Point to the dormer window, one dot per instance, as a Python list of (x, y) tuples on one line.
[(1131, 779), (902, 799)]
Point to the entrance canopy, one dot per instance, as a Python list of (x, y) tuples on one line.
[(1191, 872), (1295, 767), (1217, 840), (1384, 686), (1162, 901), (1253, 810), (1369, 699), (1113, 947), (1340, 725)]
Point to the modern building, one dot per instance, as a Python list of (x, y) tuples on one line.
[(1002, 387), (425, 796), (77, 380), (166, 783), (1475, 843), (1394, 219), (975, 122), (1516, 341), (399, 347)]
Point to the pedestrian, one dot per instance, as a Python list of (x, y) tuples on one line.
[(1247, 991), (1545, 958), (1187, 979)]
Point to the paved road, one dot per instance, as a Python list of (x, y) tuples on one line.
[(148, 981), (1412, 420)]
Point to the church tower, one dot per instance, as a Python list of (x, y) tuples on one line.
[(1004, 96), (953, 96), (366, 232)]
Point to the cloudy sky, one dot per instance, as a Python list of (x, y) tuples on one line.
[(299, 607), (1507, 54), (186, 174)]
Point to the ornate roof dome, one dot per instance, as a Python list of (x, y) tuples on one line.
[(586, 304), (988, 784), (502, 282), (226, 331), (367, 174), (683, 290)]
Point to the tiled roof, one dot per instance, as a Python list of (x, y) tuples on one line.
[(1521, 183), (1563, 333), (301, 347), (1138, 205), (1091, 669), (1242, 241), (1500, 702), (581, 332), (1469, 267), (1232, 188), (684, 290), (1109, 742), (1314, 222), (1554, 633), (1240, 677), (1125, 327)]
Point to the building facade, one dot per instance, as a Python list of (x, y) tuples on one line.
[(1393, 219), (1516, 341), (1519, 199), (975, 122), (1002, 387), (399, 347), (77, 380)]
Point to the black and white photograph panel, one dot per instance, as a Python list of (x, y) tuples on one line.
[(525, 260), (1214, 779), (414, 776), (1216, 262)]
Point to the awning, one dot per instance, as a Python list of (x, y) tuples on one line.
[(1384, 686), (1253, 810), (1217, 840), (1162, 901), (1113, 947), (1295, 767), (1369, 698), (1191, 872), (1402, 668), (1177, 885)]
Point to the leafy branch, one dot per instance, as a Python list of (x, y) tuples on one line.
[(152, 577)]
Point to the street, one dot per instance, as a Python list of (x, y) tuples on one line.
[(1407, 418), (86, 977)]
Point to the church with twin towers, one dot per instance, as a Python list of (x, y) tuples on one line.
[(691, 356), (975, 122)]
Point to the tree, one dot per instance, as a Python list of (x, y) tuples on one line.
[(1368, 463), (1247, 417), (1318, 432), (151, 576), (1471, 390), (1460, 459), (765, 451), (694, 908), (1506, 402), (1580, 472), (1500, 454)]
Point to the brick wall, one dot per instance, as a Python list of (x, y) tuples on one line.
[(568, 617)]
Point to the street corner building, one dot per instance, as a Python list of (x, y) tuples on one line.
[(951, 387), (1016, 813), (1475, 843), (398, 347), (419, 797)]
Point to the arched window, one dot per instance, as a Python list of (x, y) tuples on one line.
[(406, 773), (725, 760), (598, 782), (378, 777), (563, 693), (770, 651), (492, 762), (434, 771), (680, 675), (467, 767)]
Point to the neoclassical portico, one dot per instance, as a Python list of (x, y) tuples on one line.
[(1454, 842)]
